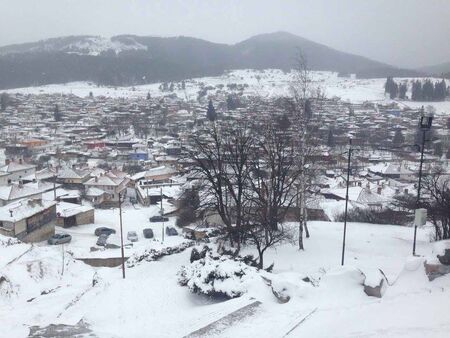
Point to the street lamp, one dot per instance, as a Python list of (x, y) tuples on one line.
[(424, 125), (121, 235), (346, 198)]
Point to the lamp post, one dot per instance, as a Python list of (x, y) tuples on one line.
[(162, 215), (424, 125), (346, 199), (121, 236)]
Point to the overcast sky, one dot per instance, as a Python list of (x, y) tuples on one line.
[(406, 33)]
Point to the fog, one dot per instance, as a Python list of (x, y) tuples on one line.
[(407, 33)]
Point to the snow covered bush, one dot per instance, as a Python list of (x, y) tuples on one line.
[(216, 276), (150, 255)]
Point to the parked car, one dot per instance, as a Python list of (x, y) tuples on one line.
[(148, 233), (132, 236), (104, 231), (59, 239), (102, 239), (170, 231), (158, 218)]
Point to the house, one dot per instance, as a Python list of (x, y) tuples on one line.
[(15, 192), (46, 174), (17, 170), (161, 174), (30, 220), (4, 177), (71, 177), (70, 214), (108, 188)]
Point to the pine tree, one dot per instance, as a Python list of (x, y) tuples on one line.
[(211, 112), (428, 91), (4, 101), (393, 90), (398, 138), (148, 96), (402, 91), (57, 114), (331, 142)]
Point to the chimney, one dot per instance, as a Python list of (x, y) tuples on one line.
[(11, 212), (96, 179), (7, 161), (20, 161), (379, 190), (21, 184)]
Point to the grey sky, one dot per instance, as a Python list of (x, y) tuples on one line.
[(400, 32)]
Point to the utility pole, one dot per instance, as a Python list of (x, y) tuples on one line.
[(54, 187), (162, 215), (121, 236), (346, 199), (62, 270)]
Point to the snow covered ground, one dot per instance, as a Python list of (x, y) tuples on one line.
[(150, 303), (266, 83)]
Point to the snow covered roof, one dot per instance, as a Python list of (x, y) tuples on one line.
[(94, 192), (157, 171), (23, 209), (68, 173), (43, 174), (13, 192), (105, 180), (64, 209), (14, 166)]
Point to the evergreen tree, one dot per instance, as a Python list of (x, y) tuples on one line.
[(416, 93), (398, 138), (56, 113), (4, 101), (331, 142), (388, 85), (428, 91), (402, 91), (393, 90), (148, 96), (211, 112), (283, 122)]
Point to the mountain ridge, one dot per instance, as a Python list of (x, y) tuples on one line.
[(132, 59)]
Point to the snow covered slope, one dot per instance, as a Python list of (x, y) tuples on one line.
[(81, 45)]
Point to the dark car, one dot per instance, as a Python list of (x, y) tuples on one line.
[(102, 239), (171, 231), (148, 233), (59, 239), (104, 231), (158, 218)]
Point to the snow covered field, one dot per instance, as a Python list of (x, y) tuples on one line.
[(267, 83), (150, 303)]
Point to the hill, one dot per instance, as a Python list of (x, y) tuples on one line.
[(132, 60), (437, 70)]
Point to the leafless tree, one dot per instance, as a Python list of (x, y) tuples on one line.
[(221, 159), (302, 92), (436, 191), (272, 189)]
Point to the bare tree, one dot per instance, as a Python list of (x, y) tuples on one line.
[(300, 105), (272, 189), (436, 188), (221, 159)]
